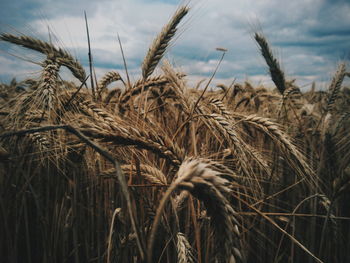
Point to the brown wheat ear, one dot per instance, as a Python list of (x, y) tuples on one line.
[(183, 247), (204, 182), (276, 72), (160, 44), (61, 55), (335, 86)]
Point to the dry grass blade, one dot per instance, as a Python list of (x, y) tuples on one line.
[(160, 44)]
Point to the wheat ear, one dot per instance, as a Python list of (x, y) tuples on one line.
[(161, 42), (122, 136), (335, 86), (293, 156), (209, 186), (183, 247), (107, 79), (61, 56), (276, 72), (150, 173)]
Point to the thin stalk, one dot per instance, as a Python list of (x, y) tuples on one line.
[(124, 61), (90, 58), (324, 227), (75, 93), (293, 239), (206, 87)]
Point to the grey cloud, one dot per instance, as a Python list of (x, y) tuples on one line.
[(310, 36)]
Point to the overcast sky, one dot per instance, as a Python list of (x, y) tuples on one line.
[(309, 37)]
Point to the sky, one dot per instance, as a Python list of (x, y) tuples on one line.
[(309, 37)]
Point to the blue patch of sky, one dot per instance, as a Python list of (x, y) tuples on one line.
[(16, 12)]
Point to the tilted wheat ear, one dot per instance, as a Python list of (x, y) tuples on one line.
[(276, 72), (160, 44), (61, 56), (206, 183), (335, 86)]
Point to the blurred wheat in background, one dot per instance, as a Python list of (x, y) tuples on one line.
[(159, 171)]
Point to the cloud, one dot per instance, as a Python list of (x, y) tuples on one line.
[(22, 68), (309, 36)]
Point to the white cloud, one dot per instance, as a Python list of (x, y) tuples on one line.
[(11, 67)]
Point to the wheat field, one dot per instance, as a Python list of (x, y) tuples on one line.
[(158, 171)]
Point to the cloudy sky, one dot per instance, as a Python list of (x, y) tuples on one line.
[(310, 37)]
